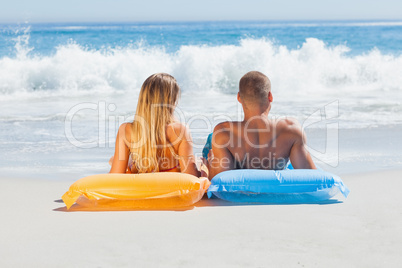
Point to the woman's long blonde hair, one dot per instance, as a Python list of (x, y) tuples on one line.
[(158, 98)]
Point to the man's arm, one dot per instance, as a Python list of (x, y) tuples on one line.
[(220, 158), (299, 156)]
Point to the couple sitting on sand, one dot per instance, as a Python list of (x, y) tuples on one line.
[(156, 142)]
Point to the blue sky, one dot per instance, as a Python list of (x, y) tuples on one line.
[(186, 10)]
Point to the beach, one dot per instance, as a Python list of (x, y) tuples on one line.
[(66, 87), (361, 231)]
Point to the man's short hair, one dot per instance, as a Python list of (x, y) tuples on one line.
[(254, 87)]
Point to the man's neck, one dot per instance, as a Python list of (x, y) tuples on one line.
[(256, 113)]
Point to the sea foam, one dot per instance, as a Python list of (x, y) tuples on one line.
[(314, 69)]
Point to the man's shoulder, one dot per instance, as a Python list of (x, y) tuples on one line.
[(288, 125), (226, 125), (223, 130)]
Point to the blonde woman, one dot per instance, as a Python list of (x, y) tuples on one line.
[(154, 141)]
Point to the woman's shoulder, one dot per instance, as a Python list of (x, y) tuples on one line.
[(176, 132), (177, 126), (126, 129)]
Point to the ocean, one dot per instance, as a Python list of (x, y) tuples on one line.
[(65, 88)]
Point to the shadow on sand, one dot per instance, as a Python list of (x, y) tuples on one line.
[(204, 202)]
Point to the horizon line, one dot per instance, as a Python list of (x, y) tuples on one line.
[(201, 21)]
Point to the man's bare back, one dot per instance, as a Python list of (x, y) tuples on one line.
[(257, 142)]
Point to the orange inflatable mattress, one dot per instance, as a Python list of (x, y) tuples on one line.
[(137, 191)]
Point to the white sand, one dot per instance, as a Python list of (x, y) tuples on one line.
[(364, 231)]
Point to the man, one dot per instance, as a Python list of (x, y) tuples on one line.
[(257, 142)]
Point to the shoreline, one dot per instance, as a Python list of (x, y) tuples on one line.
[(356, 151), (362, 230)]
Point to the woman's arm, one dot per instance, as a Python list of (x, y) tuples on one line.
[(121, 153), (185, 150)]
